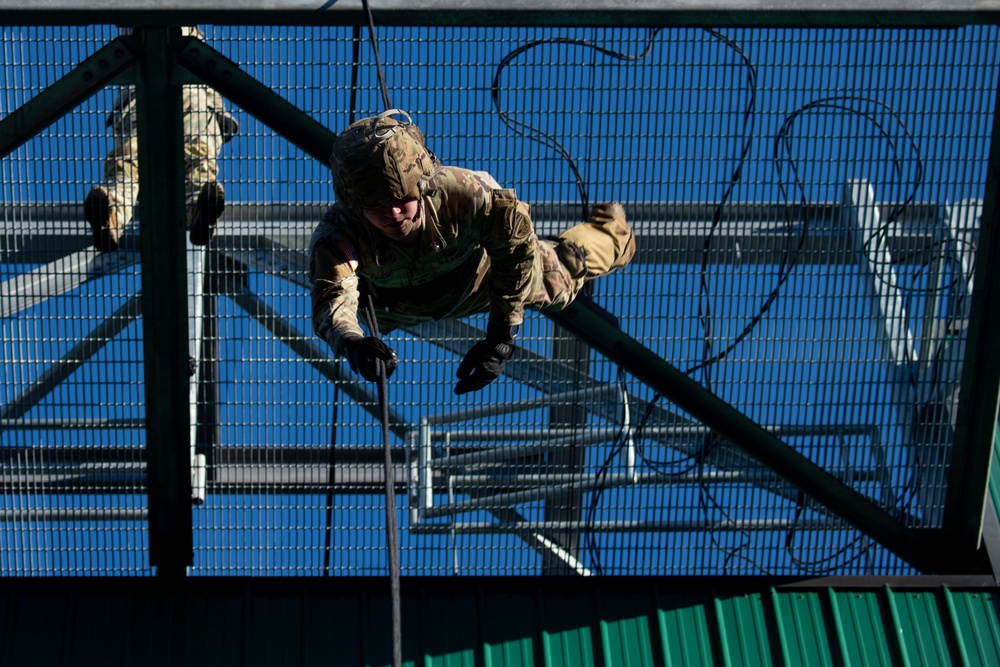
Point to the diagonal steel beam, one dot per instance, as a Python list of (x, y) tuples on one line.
[(64, 95), (72, 360), (229, 281), (533, 370), (63, 275), (215, 69), (255, 98), (917, 547), (303, 346)]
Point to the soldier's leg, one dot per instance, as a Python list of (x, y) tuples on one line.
[(109, 206), (603, 243), (554, 285), (204, 196)]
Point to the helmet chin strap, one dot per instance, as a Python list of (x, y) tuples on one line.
[(420, 210), (385, 132)]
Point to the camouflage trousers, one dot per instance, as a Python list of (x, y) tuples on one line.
[(560, 269), (203, 141)]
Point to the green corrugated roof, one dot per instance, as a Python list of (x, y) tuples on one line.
[(455, 622)]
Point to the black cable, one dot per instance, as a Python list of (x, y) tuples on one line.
[(787, 264), (535, 134), (378, 62), (392, 545), (850, 104), (390, 519), (749, 117), (368, 306), (786, 267), (331, 479), (707, 498), (355, 67), (828, 564), (867, 109)]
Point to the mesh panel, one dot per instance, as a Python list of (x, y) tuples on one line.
[(806, 203)]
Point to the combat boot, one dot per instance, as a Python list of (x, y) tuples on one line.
[(611, 218), (211, 203), (604, 242), (103, 219)]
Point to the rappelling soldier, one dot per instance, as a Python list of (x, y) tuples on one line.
[(431, 242)]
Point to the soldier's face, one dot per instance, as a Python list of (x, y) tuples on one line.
[(399, 220)]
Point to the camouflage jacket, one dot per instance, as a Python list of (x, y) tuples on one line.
[(474, 254)]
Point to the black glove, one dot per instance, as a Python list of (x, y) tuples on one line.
[(484, 362), (365, 354)]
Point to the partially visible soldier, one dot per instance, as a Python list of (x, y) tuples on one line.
[(207, 126), (433, 242)]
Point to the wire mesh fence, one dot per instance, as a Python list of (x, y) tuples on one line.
[(806, 203)]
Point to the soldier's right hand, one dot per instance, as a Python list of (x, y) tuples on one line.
[(366, 354)]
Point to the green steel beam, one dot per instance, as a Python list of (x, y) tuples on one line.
[(63, 96), (920, 547), (164, 300)]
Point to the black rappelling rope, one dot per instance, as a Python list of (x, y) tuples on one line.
[(390, 492), (383, 400), (331, 479), (378, 62)]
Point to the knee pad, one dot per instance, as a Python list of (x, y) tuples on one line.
[(573, 257)]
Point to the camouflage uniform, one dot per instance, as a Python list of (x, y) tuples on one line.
[(207, 126), (476, 253), (455, 243)]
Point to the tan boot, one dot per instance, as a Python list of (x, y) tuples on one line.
[(605, 240), (211, 203), (103, 219)]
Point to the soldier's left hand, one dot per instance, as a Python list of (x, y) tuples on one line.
[(484, 363)]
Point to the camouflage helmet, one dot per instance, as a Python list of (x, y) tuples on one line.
[(379, 159)]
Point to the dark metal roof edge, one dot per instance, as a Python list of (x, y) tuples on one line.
[(467, 621), (548, 585), (459, 14)]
